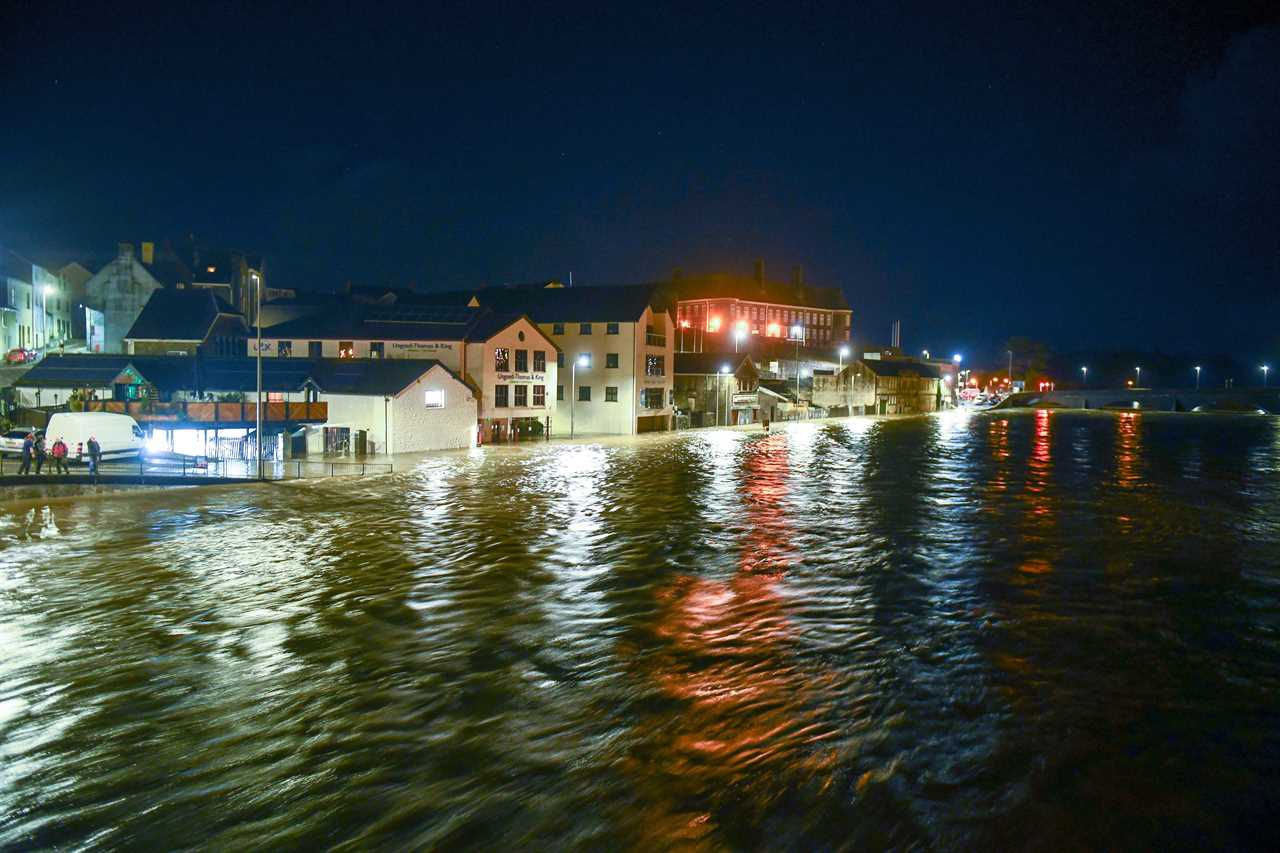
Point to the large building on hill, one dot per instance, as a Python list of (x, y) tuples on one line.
[(712, 310)]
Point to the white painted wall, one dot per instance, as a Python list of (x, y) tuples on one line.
[(481, 369), (600, 416)]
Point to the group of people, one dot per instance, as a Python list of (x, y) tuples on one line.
[(33, 449)]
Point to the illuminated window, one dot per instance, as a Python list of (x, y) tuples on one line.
[(522, 396), (376, 349), (655, 365), (502, 360), (522, 361), (610, 394), (539, 396), (210, 269), (713, 324), (433, 398), (500, 396), (611, 359), (346, 349), (539, 361), (275, 397), (651, 398), (284, 349)]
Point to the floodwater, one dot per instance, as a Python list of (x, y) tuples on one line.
[(1020, 631)]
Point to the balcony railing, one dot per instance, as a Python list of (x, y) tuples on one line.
[(652, 340), (148, 411)]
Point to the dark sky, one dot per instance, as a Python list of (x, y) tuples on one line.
[(1094, 174)]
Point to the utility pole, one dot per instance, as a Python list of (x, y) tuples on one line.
[(257, 410)]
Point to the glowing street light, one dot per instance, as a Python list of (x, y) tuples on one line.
[(1084, 376), (1266, 368), (1138, 371), (738, 335), (1197, 377), (582, 361), (842, 353), (724, 372), (684, 324), (957, 358)]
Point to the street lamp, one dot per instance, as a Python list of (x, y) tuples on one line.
[(724, 372), (684, 324), (1084, 376), (1197, 377), (738, 334), (1266, 368), (1138, 384), (956, 358), (257, 346), (842, 352), (45, 292), (581, 361), (926, 354)]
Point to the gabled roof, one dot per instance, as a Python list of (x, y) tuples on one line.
[(13, 265), (708, 363), (742, 287), (623, 303), (375, 377), (173, 314), (359, 322), (781, 388), (901, 367)]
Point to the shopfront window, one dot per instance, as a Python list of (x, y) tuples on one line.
[(346, 349)]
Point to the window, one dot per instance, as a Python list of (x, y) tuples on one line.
[(584, 393), (315, 349), (651, 398), (522, 396), (539, 396), (502, 360), (611, 328), (557, 328), (611, 393), (376, 349), (346, 349), (559, 359), (560, 393), (539, 361), (522, 361), (275, 397), (500, 396), (655, 365), (433, 398), (584, 328), (284, 349), (611, 359)]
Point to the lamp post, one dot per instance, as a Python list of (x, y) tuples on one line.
[(1010, 369), (257, 347), (1138, 371), (582, 361), (738, 335), (44, 314), (1084, 376), (684, 324), (724, 373), (797, 335), (1197, 377), (841, 353), (1266, 368)]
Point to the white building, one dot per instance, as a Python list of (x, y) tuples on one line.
[(617, 357), (506, 358)]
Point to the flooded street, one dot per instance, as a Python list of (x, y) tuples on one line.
[(965, 631)]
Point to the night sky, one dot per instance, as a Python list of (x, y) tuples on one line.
[(1090, 175)]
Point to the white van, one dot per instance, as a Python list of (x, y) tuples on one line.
[(119, 436)]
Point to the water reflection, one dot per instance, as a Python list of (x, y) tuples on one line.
[(1049, 629)]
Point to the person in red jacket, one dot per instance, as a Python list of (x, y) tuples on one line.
[(59, 454)]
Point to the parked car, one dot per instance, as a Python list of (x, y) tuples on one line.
[(119, 436), (19, 355), (11, 441)]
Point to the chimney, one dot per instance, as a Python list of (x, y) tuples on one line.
[(124, 251), (797, 276), (148, 253), (760, 271)]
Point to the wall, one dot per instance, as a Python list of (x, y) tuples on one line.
[(17, 323), (120, 290), (599, 416), (481, 369), (448, 353)]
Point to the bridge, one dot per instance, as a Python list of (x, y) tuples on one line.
[(1237, 400)]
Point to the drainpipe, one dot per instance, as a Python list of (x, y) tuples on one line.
[(386, 444)]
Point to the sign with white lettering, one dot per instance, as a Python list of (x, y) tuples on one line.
[(745, 399), (421, 347), (522, 377)]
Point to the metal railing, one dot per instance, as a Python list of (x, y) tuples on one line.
[(650, 339), (330, 468), (146, 411)]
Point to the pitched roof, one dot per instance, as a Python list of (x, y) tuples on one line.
[(623, 303), (742, 287), (784, 388), (901, 367), (376, 377), (172, 314), (708, 363), (360, 322)]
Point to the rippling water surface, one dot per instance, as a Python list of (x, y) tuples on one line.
[(1025, 631)]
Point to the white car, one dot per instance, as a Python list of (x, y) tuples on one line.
[(11, 441)]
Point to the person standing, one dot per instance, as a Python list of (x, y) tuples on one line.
[(95, 457), (28, 448), (41, 453), (59, 454)]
